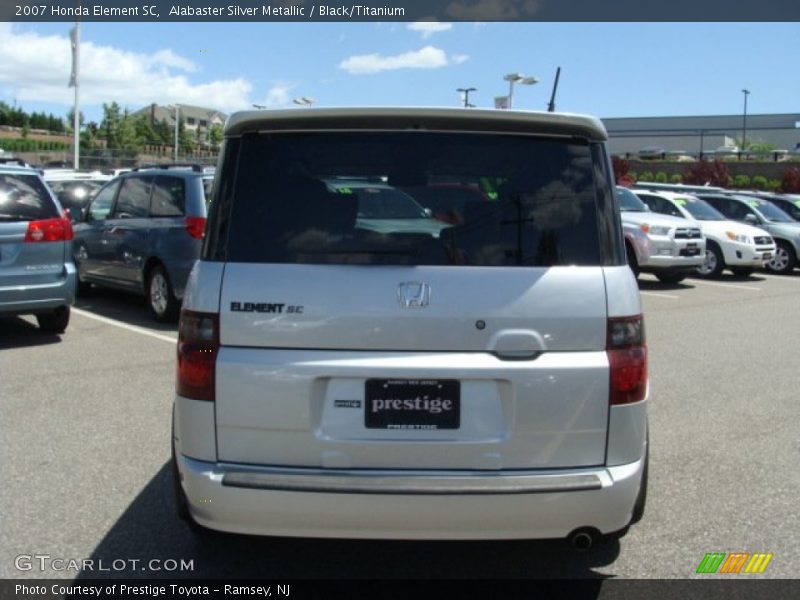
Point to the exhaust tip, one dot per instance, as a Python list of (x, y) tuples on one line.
[(582, 539)]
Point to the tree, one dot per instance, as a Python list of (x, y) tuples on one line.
[(790, 184), (704, 172), (215, 137)]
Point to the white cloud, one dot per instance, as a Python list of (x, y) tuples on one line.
[(37, 67), (459, 58), (279, 94), (428, 57), (428, 28)]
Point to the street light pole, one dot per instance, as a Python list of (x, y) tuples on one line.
[(513, 78), (177, 113), (744, 121), (465, 92)]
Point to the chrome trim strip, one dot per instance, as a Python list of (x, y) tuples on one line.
[(410, 483)]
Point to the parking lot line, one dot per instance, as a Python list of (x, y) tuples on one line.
[(122, 325), (728, 285), (660, 295)]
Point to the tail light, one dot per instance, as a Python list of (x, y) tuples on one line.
[(196, 226), (627, 359), (58, 229), (198, 343)]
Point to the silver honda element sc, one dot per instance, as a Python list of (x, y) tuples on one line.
[(350, 365)]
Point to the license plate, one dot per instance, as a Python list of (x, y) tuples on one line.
[(424, 404), (766, 255), (691, 245), (691, 251)]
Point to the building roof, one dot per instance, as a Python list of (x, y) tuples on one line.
[(186, 111)]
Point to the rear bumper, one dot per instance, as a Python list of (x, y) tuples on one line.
[(408, 504), (28, 299)]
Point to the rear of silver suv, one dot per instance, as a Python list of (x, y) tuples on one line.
[(348, 368)]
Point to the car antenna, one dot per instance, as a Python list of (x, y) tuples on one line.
[(551, 107)]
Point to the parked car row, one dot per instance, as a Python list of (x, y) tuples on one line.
[(741, 231)]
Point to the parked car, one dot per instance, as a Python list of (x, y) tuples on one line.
[(385, 209), (338, 381), (74, 189), (37, 275), (729, 244), (670, 247), (765, 215), (142, 233), (788, 203)]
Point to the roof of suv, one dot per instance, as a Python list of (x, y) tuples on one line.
[(446, 119)]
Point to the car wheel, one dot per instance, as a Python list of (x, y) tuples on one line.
[(714, 262), (782, 262), (632, 262), (54, 322), (742, 272), (160, 297), (671, 277)]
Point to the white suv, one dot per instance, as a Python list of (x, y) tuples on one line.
[(729, 245), (483, 377), (670, 247)]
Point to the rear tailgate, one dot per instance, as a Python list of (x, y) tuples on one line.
[(310, 353)]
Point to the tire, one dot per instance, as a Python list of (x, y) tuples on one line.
[(54, 322), (671, 277), (160, 297), (742, 271), (630, 254), (784, 259), (714, 262)]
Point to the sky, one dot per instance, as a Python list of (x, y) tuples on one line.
[(607, 69)]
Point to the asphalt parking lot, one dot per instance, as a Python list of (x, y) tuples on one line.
[(86, 425)]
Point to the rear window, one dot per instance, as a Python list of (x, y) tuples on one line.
[(25, 198), (411, 198)]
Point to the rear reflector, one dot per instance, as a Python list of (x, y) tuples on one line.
[(58, 229), (627, 359), (198, 343), (196, 227)]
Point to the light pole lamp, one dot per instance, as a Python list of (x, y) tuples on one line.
[(513, 78), (744, 121), (465, 95), (260, 106), (304, 101)]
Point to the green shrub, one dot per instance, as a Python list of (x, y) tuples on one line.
[(741, 181), (774, 185), (646, 176), (661, 177), (760, 182), (676, 178)]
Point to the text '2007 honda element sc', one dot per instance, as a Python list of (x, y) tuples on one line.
[(351, 366)]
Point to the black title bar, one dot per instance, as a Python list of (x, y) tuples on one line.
[(278, 11)]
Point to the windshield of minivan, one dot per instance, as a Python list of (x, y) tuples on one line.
[(289, 203)]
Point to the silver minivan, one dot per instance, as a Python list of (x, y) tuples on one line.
[(37, 275), (480, 377)]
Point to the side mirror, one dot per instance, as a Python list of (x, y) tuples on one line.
[(428, 212), (751, 218)]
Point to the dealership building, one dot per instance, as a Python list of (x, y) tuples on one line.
[(702, 134)]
